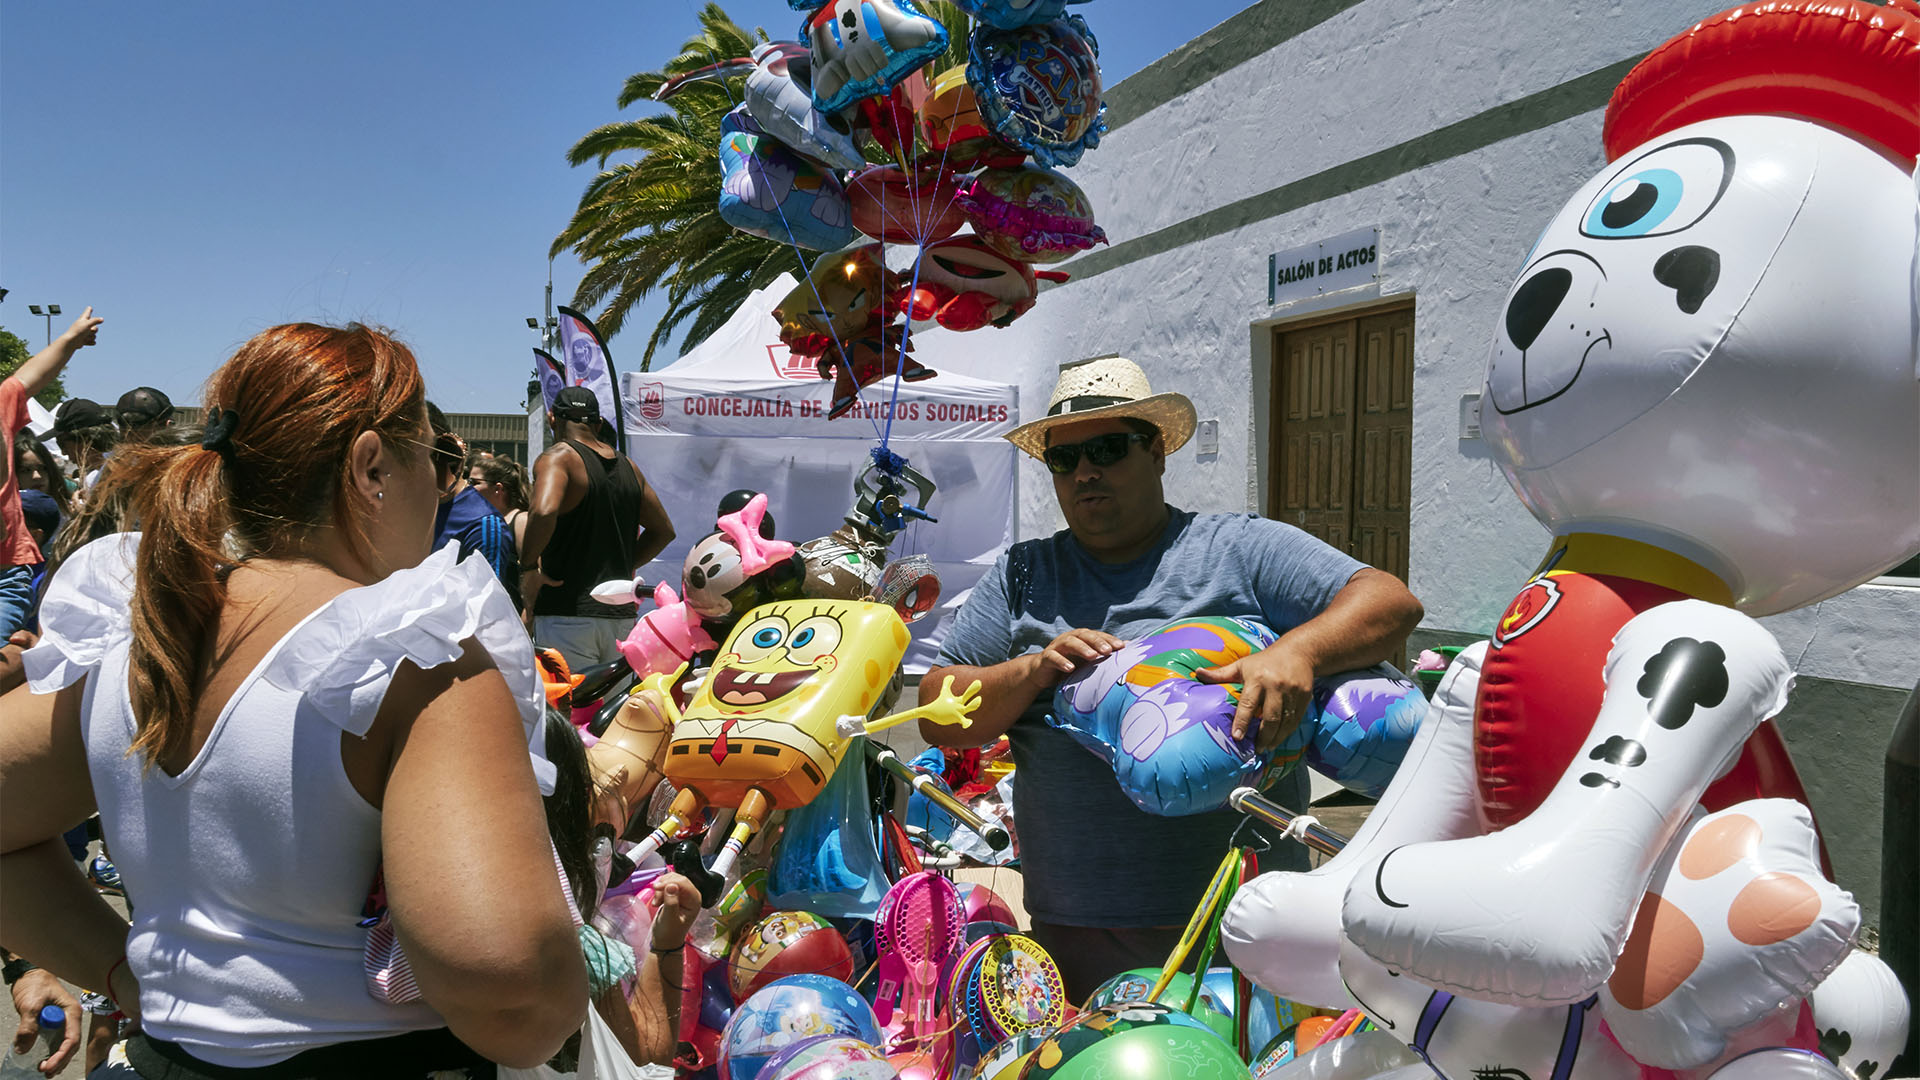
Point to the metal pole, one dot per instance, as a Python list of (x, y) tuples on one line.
[(1255, 805)]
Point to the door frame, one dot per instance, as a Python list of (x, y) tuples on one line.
[(1262, 334)]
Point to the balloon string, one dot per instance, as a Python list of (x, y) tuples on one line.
[(806, 274)]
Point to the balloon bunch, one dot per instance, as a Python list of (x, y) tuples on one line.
[(860, 129)]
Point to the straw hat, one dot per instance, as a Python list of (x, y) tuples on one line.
[(1103, 387)]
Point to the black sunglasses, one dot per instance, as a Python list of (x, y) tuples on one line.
[(1102, 450)]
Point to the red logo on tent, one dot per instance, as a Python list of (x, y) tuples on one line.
[(653, 401), (788, 366)]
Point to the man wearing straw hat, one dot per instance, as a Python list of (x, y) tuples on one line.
[(1109, 886)]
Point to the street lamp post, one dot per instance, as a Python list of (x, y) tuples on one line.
[(49, 313)]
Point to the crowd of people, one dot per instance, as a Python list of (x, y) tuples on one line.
[(318, 640), (324, 702)]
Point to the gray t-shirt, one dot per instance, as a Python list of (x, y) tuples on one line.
[(1088, 855)]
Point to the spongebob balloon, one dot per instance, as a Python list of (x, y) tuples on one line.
[(1704, 383), (791, 686)]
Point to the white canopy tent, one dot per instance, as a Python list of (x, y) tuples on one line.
[(738, 413)]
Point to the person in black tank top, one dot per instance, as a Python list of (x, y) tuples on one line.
[(594, 518)]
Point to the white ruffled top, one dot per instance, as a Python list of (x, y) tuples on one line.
[(247, 871), (341, 657)]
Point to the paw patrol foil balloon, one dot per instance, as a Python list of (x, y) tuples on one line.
[(862, 47), (1039, 87), (1031, 213), (1013, 14), (770, 191)]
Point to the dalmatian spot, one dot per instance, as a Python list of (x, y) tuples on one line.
[(1594, 779), (1619, 751), (1718, 845), (1772, 908), (1664, 948), (1691, 272), (1686, 674)]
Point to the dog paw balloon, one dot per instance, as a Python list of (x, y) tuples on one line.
[(770, 191), (1169, 737), (890, 204), (862, 47), (1031, 213), (1039, 87)]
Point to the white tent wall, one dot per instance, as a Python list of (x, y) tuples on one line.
[(725, 417)]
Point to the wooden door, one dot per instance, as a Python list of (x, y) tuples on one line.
[(1343, 434)]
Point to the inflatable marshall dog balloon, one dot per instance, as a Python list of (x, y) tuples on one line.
[(1704, 382)]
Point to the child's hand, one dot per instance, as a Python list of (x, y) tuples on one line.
[(676, 905)]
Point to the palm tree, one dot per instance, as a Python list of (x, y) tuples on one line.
[(653, 222)]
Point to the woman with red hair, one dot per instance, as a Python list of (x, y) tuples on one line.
[(274, 694)]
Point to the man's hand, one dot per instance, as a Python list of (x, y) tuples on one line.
[(1276, 685), (84, 331), (531, 580), (32, 992), (1067, 653), (677, 905)]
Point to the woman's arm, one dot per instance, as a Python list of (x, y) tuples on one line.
[(468, 867), (48, 912)]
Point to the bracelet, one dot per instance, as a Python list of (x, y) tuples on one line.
[(16, 967), (662, 952), (106, 988)]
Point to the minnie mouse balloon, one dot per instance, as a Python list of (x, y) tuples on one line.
[(862, 47), (1031, 213), (1039, 87)]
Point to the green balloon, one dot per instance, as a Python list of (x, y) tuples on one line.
[(1135, 985), (1140, 1040)]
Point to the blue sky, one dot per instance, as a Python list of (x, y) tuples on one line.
[(199, 171)]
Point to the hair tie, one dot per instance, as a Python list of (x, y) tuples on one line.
[(219, 434)]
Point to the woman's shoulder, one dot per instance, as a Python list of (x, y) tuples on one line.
[(342, 658), (87, 610)]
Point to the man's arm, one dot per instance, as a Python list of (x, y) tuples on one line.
[(551, 478), (37, 372), (1009, 687), (1366, 623), (656, 529)]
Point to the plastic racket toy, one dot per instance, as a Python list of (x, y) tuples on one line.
[(1015, 987), (919, 928)]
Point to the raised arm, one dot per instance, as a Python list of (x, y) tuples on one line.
[(37, 372), (468, 867)]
